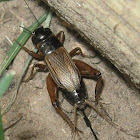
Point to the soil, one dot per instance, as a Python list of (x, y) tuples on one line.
[(39, 119)]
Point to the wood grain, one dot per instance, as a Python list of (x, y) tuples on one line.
[(112, 27)]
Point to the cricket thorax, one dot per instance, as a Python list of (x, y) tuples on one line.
[(45, 40), (50, 45)]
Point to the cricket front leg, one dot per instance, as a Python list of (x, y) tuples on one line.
[(33, 54), (53, 90), (89, 72)]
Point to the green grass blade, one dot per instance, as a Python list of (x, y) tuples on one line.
[(1, 127), (47, 24), (6, 81), (15, 48)]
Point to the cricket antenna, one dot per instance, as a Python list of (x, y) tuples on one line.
[(27, 30), (88, 123), (32, 12)]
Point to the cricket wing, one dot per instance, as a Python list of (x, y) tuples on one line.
[(63, 70)]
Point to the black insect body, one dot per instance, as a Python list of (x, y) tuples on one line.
[(65, 73), (49, 42)]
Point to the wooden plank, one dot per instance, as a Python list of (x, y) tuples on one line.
[(112, 27)]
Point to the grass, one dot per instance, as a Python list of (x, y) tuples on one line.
[(15, 48)]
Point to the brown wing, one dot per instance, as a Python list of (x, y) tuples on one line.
[(63, 70)]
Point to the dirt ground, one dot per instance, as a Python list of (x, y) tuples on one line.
[(39, 120)]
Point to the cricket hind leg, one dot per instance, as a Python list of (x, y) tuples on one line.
[(75, 120), (53, 90), (89, 72)]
